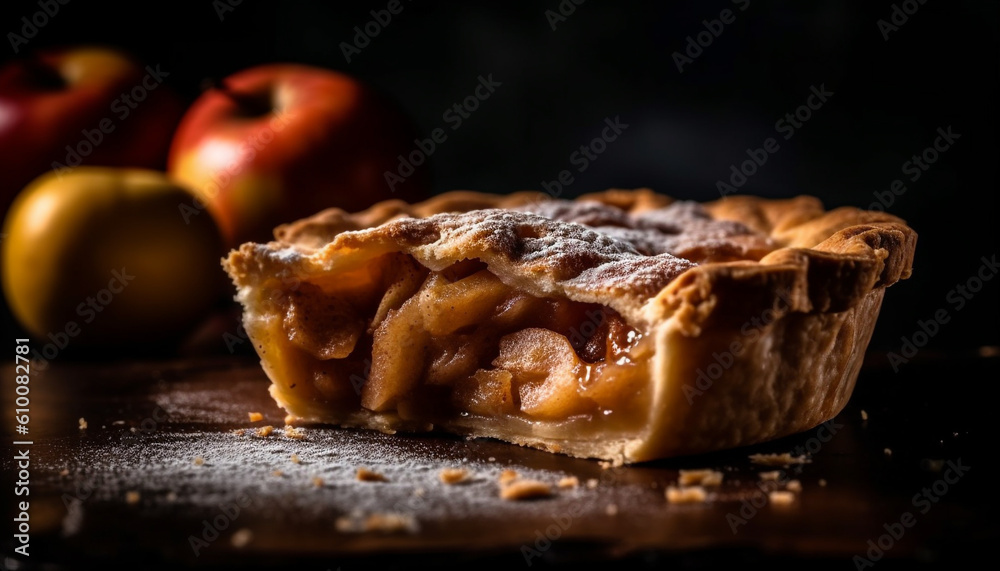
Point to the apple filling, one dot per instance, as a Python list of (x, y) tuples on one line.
[(430, 346)]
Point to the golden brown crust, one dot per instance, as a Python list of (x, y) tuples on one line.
[(692, 276), (816, 261)]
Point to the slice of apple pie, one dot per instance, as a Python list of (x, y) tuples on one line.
[(623, 325)]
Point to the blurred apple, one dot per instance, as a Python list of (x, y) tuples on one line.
[(86, 105), (99, 257), (279, 142)]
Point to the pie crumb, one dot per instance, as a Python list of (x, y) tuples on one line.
[(772, 476), (83, 423), (864, 415), (132, 497), (525, 490), (931, 465), (822, 483), (198, 461), (569, 482), (296, 459), (366, 475), (278, 473), (64, 472), (344, 525), (454, 475), (291, 419), (611, 509), (704, 477), (507, 476), (686, 495), (592, 483), (241, 538), (390, 522), (317, 481), (781, 498), (295, 433), (887, 451), (255, 416), (794, 486), (171, 496), (239, 431), (381, 522), (265, 431), (783, 459)]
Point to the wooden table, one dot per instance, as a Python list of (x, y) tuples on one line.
[(158, 479)]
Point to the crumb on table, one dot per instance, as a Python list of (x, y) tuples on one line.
[(794, 486), (781, 497), (453, 475), (366, 475), (569, 482), (387, 522), (294, 433), (525, 490), (704, 477), (783, 459), (507, 476), (255, 416), (686, 494), (198, 461), (241, 538), (132, 497), (772, 476), (83, 423), (265, 431)]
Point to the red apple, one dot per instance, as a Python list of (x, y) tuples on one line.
[(278, 142), (85, 105)]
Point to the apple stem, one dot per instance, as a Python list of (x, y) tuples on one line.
[(252, 105), (46, 77)]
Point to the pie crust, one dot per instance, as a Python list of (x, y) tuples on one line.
[(623, 325)]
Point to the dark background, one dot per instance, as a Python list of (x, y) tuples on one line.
[(611, 59)]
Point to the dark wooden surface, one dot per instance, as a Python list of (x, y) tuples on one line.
[(148, 421)]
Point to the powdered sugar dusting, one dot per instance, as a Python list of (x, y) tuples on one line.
[(683, 228), (584, 259), (587, 251)]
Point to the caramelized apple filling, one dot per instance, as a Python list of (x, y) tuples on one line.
[(461, 342)]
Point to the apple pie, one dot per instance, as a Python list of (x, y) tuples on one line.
[(622, 325)]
